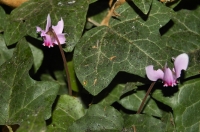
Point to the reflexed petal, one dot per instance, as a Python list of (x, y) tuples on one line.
[(38, 29), (61, 38), (169, 79), (152, 74), (48, 23), (181, 63), (59, 27)]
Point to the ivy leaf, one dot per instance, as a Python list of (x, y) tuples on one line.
[(23, 20), (60, 79), (185, 104), (142, 123), (68, 110), (2, 19), (73, 78), (143, 5), (117, 89), (21, 96), (168, 119), (98, 118), (133, 102), (5, 53), (38, 57), (110, 96), (184, 37), (33, 123), (127, 45)]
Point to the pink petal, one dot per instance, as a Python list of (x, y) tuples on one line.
[(169, 79), (59, 27), (48, 41), (61, 38), (48, 23), (181, 63), (152, 74), (38, 29)]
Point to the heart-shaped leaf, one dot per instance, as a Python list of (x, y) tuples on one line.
[(142, 123), (21, 96), (127, 45), (68, 110), (185, 104), (133, 102), (33, 123), (99, 118)]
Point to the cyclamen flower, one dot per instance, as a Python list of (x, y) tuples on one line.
[(169, 77), (48, 37)]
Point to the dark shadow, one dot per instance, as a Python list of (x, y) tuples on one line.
[(120, 78), (4, 128), (189, 78), (52, 59), (49, 121), (119, 107), (166, 27), (97, 7), (6, 8), (187, 4), (162, 106)]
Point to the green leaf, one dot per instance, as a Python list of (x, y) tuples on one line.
[(142, 123), (168, 119), (5, 53), (98, 118), (184, 37), (68, 110), (110, 96), (73, 78), (143, 5), (127, 45), (34, 123), (131, 86), (21, 96), (2, 19), (59, 78), (23, 20), (133, 102), (38, 57), (114, 93), (185, 103)]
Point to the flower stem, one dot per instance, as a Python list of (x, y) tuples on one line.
[(64, 61), (143, 101)]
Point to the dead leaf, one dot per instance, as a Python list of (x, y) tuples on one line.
[(112, 11), (12, 3)]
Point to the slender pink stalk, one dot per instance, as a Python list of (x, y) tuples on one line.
[(52, 32), (143, 101)]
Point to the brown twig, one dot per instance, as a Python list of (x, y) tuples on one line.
[(64, 61), (143, 101)]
